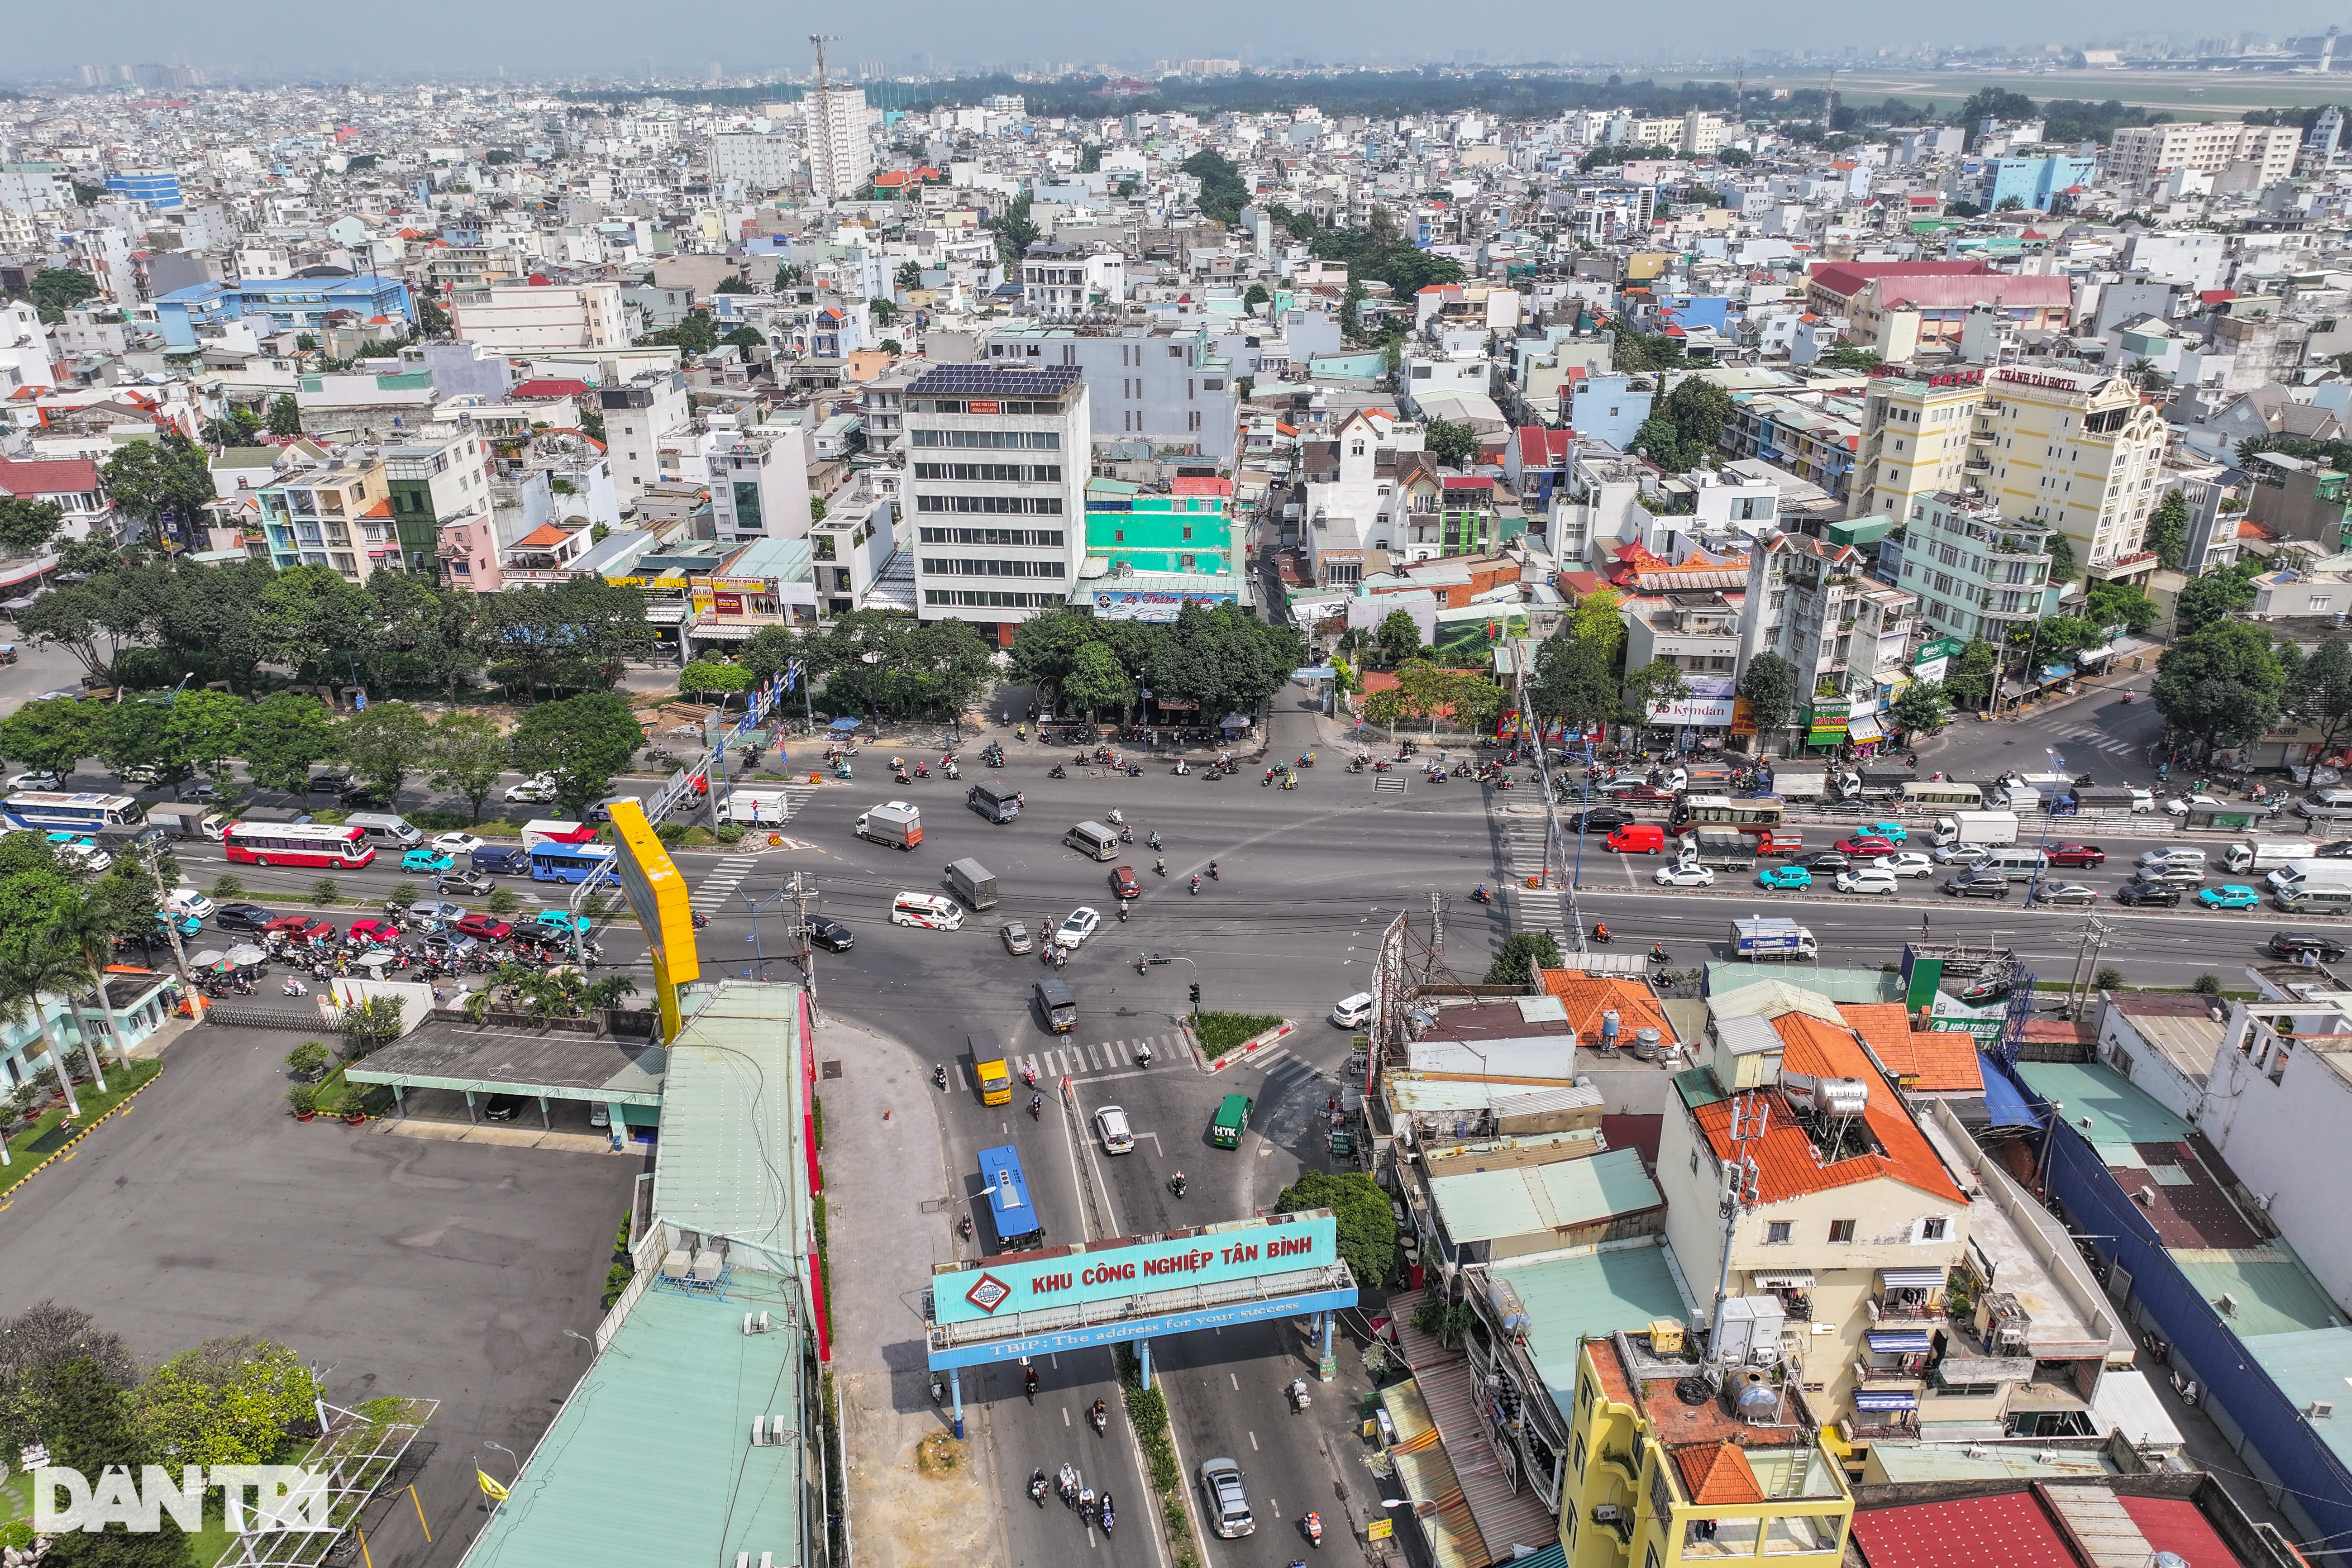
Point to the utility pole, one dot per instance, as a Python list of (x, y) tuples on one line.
[(2086, 965), (1436, 935), (807, 957)]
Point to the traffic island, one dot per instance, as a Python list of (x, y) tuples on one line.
[(1221, 1039)]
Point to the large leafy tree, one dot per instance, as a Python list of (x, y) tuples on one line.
[(53, 736), (153, 481), (28, 525), (202, 727), (36, 1347), (2168, 530), (1045, 646), (1922, 708), (582, 741), (1660, 681), (281, 736), (1970, 677), (702, 677), (2222, 686), (1367, 1226), (137, 737), (468, 754), (1452, 442), (386, 743), (1517, 960), (577, 635), (1768, 686), (56, 290), (1700, 411), (1399, 637), (227, 1402), (2318, 692), (2120, 604), (1097, 680), (90, 1424), (2214, 598)]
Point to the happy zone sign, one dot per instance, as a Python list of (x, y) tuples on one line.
[(1063, 1277)]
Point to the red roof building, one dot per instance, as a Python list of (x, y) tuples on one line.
[(552, 386)]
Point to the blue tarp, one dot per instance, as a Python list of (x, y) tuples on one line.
[(845, 723), (2007, 1105)]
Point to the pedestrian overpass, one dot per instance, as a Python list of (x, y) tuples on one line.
[(1129, 1289)]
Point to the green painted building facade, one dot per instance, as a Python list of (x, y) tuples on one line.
[(1146, 531)]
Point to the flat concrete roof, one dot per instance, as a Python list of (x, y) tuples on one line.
[(552, 1064)]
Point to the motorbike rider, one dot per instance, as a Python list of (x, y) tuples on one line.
[(1196, 881), (1029, 1380), (1036, 1106), (1177, 1182), (1160, 864), (1100, 1412), (1601, 930), (1479, 892)]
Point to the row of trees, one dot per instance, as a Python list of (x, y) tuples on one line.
[(1580, 677), (74, 1388), (2227, 683), (1219, 661), (582, 741), (140, 620)]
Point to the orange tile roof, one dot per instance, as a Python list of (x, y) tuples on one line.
[(1718, 1473), (1584, 997), (1886, 1029), (380, 509), (1948, 1062), (1786, 1165), (544, 535)]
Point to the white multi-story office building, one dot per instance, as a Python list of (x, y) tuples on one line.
[(2203, 146), (840, 143), (759, 480), (1167, 384), (997, 465), (637, 416), (757, 160), (540, 318)]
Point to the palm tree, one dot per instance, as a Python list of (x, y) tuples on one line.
[(84, 923), (608, 992), (34, 964)]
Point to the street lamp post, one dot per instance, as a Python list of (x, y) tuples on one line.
[(2057, 766)]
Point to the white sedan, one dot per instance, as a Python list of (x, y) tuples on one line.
[(1965, 856), (1680, 875), (1907, 863), (535, 792), (459, 844), (1077, 928)]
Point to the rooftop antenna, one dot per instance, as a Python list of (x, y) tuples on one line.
[(1751, 1115)]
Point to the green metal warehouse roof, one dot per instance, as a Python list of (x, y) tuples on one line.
[(654, 1446), (2311, 1366), (2119, 1114), (1480, 1205), (731, 1120), (1574, 1296), (2273, 1291)]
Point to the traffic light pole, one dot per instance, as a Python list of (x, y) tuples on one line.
[(1148, 959)]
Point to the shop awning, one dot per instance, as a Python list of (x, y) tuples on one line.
[(1912, 1278), (1900, 1342), (2094, 654), (1796, 1280), (2050, 672), (664, 614), (1884, 1399), (722, 632), (1865, 728)]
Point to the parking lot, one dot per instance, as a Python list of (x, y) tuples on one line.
[(393, 1265)]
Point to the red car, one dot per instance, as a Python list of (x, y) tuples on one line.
[(376, 930), (300, 928), (488, 927), (1122, 882), (1865, 846), (2077, 855)]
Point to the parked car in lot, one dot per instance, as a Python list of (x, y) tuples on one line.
[(2136, 893), (2063, 893), (2076, 855), (2233, 896), (1977, 885), (1784, 877), (1906, 863), (503, 1107), (2292, 945)]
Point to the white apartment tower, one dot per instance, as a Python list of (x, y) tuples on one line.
[(997, 461), (841, 149)]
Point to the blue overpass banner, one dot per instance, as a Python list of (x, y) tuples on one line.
[(1117, 1271)]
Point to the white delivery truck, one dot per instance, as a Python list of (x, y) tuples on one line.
[(2261, 855), (897, 823), (1990, 828), (1771, 936)]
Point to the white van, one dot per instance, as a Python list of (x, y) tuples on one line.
[(929, 910), (1094, 840), (2176, 859), (385, 828), (2326, 805), (2313, 900), (2010, 858)]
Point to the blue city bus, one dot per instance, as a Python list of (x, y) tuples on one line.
[(554, 862), (1018, 1227), (73, 812)]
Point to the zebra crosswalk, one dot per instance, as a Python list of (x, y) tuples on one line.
[(1093, 1058), (719, 886), (1530, 908), (2084, 737)]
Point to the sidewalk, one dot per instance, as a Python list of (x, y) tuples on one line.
[(888, 1217)]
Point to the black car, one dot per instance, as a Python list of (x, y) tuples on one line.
[(503, 1107), (2136, 893), (362, 796), (1850, 807), (242, 917), (830, 935), (2338, 850), (2295, 944), (1823, 860), (1602, 819), (1978, 885), (330, 783)]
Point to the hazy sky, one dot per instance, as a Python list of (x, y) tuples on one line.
[(432, 37)]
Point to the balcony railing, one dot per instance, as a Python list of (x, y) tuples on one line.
[(1908, 1311), (1887, 1374)]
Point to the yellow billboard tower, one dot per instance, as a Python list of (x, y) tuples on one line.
[(657, 894)]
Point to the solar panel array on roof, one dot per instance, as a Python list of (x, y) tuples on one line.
[(996, 381)]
